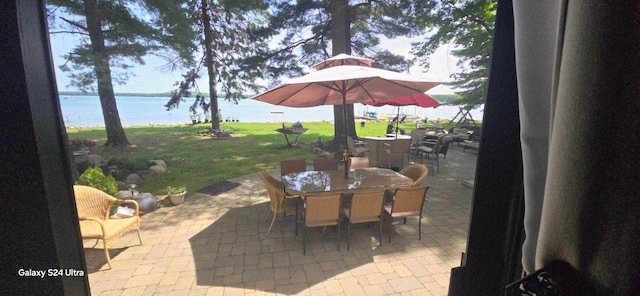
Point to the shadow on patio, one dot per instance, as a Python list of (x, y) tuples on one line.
[(234, 251)]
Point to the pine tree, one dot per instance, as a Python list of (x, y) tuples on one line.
[(115, 35), (316, 30), (228, 39), (469, 26)]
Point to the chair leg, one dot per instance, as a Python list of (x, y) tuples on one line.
[(106, 252), (349, 235), (390, 222), (139, 236), (380, 230), (420, 228), (266, 216), (338, 234), (304, 240), (272, 221)]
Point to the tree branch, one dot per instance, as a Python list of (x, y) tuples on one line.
[(75, 24)]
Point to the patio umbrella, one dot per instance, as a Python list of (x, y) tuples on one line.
[(344, 84), (420, 100), (343, 59)]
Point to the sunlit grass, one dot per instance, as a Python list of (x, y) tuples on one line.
[(197, 161)]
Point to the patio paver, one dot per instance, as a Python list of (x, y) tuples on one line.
[(217, 245)]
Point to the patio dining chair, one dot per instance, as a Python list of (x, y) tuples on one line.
[(417, 173), (399, 147), (405, 202), (366, 206), (279, 202), (356, 148), (358, 162), (325, 164), (292, 166), (417, 138), (432, 152), (321, 209)]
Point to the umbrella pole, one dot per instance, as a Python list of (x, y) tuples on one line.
[(397, 122), (344, 123)]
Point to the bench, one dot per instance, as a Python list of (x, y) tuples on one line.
[(93, 208)]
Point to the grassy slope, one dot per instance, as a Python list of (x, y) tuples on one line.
[(200, 161)]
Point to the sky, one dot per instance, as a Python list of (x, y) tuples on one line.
[(150, 78)]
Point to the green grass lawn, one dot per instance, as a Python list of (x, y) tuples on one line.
[(198, 161)]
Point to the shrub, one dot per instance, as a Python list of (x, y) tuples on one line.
[(176, 190), (95, 178)]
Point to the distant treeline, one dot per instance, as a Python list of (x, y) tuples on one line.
[(79, 93), (446, 99), (442, 98)]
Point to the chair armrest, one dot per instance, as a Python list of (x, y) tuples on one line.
[(93, 220)]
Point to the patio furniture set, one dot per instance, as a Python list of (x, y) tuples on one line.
[(323, 197)]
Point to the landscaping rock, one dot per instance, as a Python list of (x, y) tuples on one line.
[(91, 159), (124, 194), (132, 179), (159, 162), (122, 186), (158, 169)]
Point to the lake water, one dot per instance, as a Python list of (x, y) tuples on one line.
[(86, 111)]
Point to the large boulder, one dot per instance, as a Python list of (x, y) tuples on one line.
[(90, 159), (158, 162), (132, 179), (158, 169)]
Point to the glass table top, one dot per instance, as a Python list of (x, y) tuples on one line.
[(324, 181)]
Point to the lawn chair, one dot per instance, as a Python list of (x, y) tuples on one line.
[(325, 164), (279, 201), (93, 208), (322, 209), (417, 173), (405, 202), (365, 207), (292, 166)]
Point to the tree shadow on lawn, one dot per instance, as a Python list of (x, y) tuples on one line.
[(235, 251)]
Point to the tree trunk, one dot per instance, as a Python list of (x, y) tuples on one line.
[(211, 66), (341, 43), (113, 126)]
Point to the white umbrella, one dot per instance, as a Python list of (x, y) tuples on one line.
[(345, 84), (343, 59)]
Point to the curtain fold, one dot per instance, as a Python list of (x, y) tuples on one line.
[(578, 67), (536, 32)]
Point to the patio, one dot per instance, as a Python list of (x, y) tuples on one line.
[(217, 245)]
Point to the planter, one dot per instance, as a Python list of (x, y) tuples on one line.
[(177, 199)]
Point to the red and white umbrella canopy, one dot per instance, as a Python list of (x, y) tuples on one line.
[(420, 100), (345, 85), (343, 59)]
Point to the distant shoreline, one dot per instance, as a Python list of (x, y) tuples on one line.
[(442, 98)]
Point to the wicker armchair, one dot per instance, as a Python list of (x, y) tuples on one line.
[(417, 172), (93, 212)]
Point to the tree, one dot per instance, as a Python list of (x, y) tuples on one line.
[(469, 25), (228, 39), (113, 36), (316, 30)]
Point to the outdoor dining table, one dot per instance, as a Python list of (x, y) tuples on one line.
[(302, 183)]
